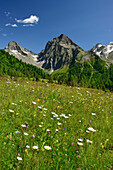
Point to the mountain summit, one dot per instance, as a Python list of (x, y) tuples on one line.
[(13, 48), (58, 53), (105, 52)]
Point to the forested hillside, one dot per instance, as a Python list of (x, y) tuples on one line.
[(94, 73), (9, 65)]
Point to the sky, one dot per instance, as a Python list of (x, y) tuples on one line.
[(32, 23)]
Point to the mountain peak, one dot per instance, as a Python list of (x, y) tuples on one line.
[(62, 36)]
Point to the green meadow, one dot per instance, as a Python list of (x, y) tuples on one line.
[(54, 127)]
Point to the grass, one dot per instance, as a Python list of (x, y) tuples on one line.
[(41, 107)]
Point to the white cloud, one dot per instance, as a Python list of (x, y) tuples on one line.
[(28, 25), (111, 42), (12, 25), (32, 19), (4, 35), (7, 24)]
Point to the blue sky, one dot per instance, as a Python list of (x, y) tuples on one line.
[(32, 23)]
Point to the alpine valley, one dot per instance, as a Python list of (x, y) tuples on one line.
[(68, 63)]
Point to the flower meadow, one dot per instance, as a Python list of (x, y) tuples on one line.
[(50, 126)]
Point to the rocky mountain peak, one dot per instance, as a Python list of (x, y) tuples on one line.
[(105, 52), (13, 45), (58, 53)]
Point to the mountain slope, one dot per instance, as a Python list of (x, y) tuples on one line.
[(9, 65), (59, 53), (13, 48), (105, 52)]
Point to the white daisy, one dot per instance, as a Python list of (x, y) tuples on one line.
[(35, 147), (91, 129), (11, 110), (89, 141), (93, 114), (27, 146), (80, 140), (59, 123), (19, 158), (40, 125), (80, 144), (34, 102), (47, 147), (23, 125)]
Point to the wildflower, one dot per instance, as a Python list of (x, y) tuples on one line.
[(47, 147), (55, 115), (66, 117), (33, 102), (69, 115), (87, 131), (40, 107), (56, 129), (89, 141), (26, 123), (78, 156), (35, 147), (72, 143), (27, 146), (26, 134), (80, 140), (13, 104), (23, 125), (40, 125), (47, 130), (19, 158), (62, 115), (11, 110), (79, 143), (45, 109), (59, 123), (17, 132), (93, 114), (91, 129)]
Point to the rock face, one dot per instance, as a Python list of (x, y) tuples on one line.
[(13, 48), (58, 53), (105, 52)]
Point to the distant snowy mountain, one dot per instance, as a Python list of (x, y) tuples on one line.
[(105, 52)]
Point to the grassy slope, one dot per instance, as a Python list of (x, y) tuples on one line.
[(65, 153)]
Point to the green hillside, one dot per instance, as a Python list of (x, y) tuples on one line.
[(9, 65), (93, 73)]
